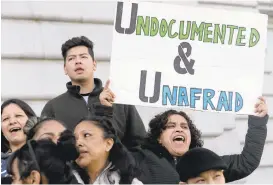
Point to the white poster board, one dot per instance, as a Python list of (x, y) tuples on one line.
[(166, 55)]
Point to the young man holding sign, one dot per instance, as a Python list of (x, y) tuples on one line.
[(84, 90), (172, 133)]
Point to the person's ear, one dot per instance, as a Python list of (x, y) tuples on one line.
[(94, 65), (65, 70), (159, 141), (109, 144)]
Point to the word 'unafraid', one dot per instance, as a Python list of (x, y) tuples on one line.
[(188, 97)]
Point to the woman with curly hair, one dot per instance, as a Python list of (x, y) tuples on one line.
[(171, 134), (185, 137)]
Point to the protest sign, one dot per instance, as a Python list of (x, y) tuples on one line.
[(166, 55)]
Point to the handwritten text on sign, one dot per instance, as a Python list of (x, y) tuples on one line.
[(175, 56)]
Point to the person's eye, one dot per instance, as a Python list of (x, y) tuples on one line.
[(47, 137), (5, 119), (87, 135), (170, 126)]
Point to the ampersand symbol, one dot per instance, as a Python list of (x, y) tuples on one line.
[(184, 57)]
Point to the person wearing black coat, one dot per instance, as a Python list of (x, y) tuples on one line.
[(83, 92), (172, 133)]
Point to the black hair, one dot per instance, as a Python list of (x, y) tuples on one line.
[(158, 124), (120, 157), (48, 158), (27, 110), (78, 41), (35, 123)]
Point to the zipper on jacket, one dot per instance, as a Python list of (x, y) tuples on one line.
[(86, 103), (107, 167), (175, 160)]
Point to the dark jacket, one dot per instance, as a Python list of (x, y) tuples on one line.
[(5, 177), (156, 165), (70, 107), (242, 165), (4, 162), (159, 165)]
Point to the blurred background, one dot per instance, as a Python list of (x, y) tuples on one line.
[(32, 65)]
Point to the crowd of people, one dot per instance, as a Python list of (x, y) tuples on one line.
[(83, 137)]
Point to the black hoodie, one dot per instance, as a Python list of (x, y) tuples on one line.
[(70, 107)]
